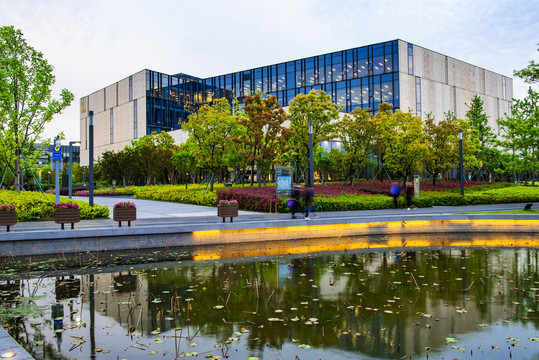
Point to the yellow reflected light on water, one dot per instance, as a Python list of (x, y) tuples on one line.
[(273, 246)]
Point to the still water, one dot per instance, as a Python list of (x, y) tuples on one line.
[(308, 300)]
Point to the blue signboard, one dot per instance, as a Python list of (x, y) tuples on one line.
[(57, 153)]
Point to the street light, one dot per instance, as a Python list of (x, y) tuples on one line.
[(91, 159), (461, 167), (70, 181)]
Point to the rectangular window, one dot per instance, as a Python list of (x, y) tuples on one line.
[(418, 96), (504, 89), (131, 88), (410, 59), (104, 99), (135, 120), (111, 127), (116, 94)]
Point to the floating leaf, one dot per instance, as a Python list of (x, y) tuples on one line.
[(156, 301), (295, 319), (534, 339), (303, 346), (252, 358), (157, 331), (152, 352), (193, 344), (451, 340), (218, 307), (158, 341)]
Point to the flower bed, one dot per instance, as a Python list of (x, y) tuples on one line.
[(8, 216), (34, 206), (66, 213), (124, 211)]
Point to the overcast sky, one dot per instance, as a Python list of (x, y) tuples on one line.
[(92, 44)]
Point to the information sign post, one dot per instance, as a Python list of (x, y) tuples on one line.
[(57, 166), (283, 174)]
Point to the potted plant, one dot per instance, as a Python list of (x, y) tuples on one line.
[(125, 211), (8, 216), (227, 208), (66, 213)]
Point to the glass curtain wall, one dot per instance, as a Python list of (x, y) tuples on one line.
[(363, 77)]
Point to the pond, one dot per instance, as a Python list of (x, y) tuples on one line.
[(294, 300)]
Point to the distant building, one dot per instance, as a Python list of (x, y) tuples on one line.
[(46, 155), (406, 75)]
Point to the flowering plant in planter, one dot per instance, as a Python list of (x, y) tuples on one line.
[(7, 208), (125, 204), (66, 206), (228, 202)]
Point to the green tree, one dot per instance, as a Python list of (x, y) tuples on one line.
[(442, 145), (26, 104), (487, 139), (357, 132), (209, 131), (530, 73), (184, 161), (154, 156), (315, 107), (384, 126), (521, 134), (265, 136), (406, 146)]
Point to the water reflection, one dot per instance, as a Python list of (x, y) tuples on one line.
[(363, 303)]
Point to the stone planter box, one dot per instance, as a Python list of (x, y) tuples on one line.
[(225, 211), (62, 216), (124, 214), (8, 218)]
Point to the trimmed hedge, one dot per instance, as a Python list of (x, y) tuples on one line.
[(34, 206)]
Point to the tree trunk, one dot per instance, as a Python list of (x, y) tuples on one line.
[(17, 171)]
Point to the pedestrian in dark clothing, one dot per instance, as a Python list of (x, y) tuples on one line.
[(307, 200), (409, 193), (395, 192), (296, 194)]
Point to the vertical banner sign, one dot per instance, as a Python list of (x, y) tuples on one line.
[(283, 187), (417, 190)]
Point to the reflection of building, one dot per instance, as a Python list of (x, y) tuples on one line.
[(396, 72)]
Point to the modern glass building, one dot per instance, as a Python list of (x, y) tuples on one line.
[(405, 75)]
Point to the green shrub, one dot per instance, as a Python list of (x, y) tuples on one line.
[(34, 206)]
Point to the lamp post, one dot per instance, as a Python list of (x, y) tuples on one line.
[(70, 181), (311, 157), (461, 167), (91, 159)]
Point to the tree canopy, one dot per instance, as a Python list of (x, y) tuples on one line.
[(26, 103)]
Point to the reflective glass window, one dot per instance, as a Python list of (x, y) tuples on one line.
[(341, 96), (135, 119), (410, 59), (378, 50), (111, 126), (131, 88), (258, 80), (387, 91), (378, 65), (337, 68), (329, 71), (281, 76), (388, 61)]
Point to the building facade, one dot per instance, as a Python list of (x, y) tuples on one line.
[(397, 72)]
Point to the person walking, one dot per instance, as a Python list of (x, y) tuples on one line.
[(409, 193), (296, 194), (395, 192), (307, 200)]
